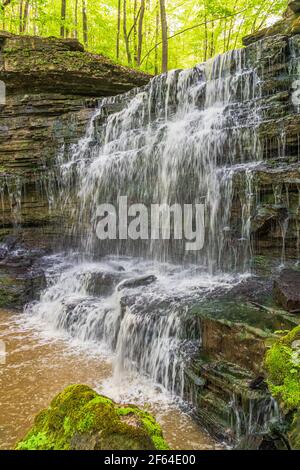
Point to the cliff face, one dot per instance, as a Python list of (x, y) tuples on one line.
[(52, 87)]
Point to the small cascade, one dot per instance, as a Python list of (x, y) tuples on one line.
[(254, 416), (110, 305)]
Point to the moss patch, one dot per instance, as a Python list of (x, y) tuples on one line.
[(283, 368), (79, 418)]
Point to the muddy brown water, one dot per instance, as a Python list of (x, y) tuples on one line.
[(36, 368)]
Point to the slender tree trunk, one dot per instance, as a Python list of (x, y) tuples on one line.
[(156, 39), (140, 33), (135, 13), (75, 33), (118, 30), (205, 35), (25, 16), (84, 23), (63, 18), (21, 17), (164, 36), (212, 45), (126, 38), (35, 16)]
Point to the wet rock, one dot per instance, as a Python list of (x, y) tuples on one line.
[(287, 290), (137, 282), (294, 433), (80, 419), (258, 383), (102, 283), (21, 278), (263, 442), (223, 402)]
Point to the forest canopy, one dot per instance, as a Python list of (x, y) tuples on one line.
[(152, 35)]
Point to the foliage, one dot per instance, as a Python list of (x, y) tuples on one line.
[(79, 418), (197, 29), (283, 366)]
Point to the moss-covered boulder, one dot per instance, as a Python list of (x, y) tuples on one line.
[(283, 367), (80, 419)]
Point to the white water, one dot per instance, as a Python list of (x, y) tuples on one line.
[(141, 327), (181, 139)]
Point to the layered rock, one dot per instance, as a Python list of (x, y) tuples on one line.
[(52, 86), (226, 378)]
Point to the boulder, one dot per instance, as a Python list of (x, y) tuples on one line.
[(287, 290), (137, 282), (80, 419)]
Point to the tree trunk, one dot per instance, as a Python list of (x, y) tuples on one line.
[(25, 16), (63, 18), (140, 33), (164, 36), (156, 39), (75, 33), (135, 13), (126, 38), (21, 17), (84, 23), (118, 30)]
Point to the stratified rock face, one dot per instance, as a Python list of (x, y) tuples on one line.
[(80, 419), (52, 88), (287, 290), (49, 64)]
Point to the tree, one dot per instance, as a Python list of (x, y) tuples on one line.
[(75, 33), (164, 35), (140, 33), (84, 23), (118, 30), (25, 16), (126, 35), (63, 18)]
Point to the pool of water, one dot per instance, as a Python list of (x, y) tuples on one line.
[(38, 366)]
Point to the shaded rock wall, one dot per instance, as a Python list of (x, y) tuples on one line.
[(52, 87)]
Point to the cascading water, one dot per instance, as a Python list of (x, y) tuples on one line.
[(181, 139)]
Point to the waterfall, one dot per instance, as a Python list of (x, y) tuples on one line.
[(180, 139), (185, 138)]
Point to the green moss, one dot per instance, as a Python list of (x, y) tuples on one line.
[(36, 441), (79, 418), (283, 367)]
